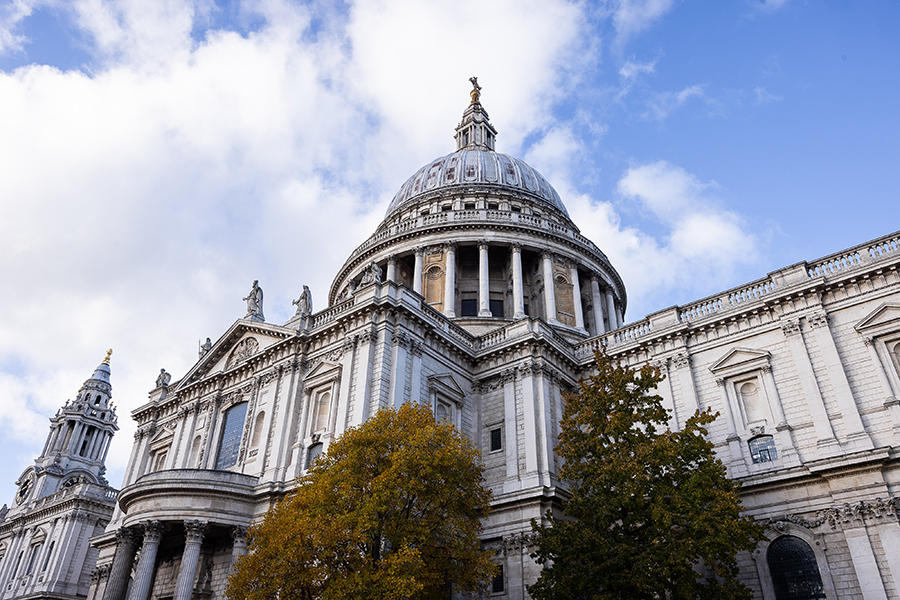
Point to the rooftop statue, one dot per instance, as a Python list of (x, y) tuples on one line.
[(476, 90), (255, 302)]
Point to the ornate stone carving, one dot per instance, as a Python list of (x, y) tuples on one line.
[(255, 302), (204, 347), (681, 360), (790, 327), (508, 375), (519, 541), (239, 534), (163, 379), (372, 274), (817, 320), (244, 350), (100, 573), (195, 529), (304, 303), (153, 531), (848, 515)]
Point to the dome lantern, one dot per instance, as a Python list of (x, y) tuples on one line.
[(475, 131)]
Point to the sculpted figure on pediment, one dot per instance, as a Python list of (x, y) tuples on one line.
[(255, 301), (304, 302), (205, 347)]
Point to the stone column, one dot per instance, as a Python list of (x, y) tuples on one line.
[(576, 296), (549, 295), (508, 378), (392, 269), (783, 430), (530, 430), (620, 318), (365, 341), (857, 436), (738, 462), (518, 285), (126, 546), (417, 271), (484, 304), (143, 577), (187, 573), (450, 281), (865, 564), (826, 442), (611, 309), (682, 362), (598, 306), (239, 547)]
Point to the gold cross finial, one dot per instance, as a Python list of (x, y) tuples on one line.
[(476, 90), (108, 354)]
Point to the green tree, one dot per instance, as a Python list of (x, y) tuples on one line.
[(391, 511), (650, 507)]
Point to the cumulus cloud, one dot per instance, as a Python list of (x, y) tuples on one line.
[(142, 195)]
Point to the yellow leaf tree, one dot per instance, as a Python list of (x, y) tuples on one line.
[(391, 511)]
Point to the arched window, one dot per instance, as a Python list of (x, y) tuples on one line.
[(313, 453), (795, 574), (230, 441), (320, 417), (434, 285), (762, 449), (257, 429), (195, 453)]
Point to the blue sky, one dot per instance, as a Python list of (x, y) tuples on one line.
[(156, 158)]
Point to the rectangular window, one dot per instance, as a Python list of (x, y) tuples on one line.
[(469, 308), (497, 583), (34, 554), (47, 558), (762, 449), (497, 308), (496, 440)]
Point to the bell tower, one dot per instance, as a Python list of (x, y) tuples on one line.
[(475, 131), (62, 500)]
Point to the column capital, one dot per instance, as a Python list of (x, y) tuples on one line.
[(153, 531), (483, 244), (450, 246), (817, 320), (126, 536), (195, 529), (790, 327), (419, 250), (239, 534), (515, 247)]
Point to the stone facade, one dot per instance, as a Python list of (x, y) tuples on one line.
[(62, 501), (478, 297)]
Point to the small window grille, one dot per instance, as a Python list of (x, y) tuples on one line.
[(762, 449), (496, 440), (795, 574), (469, 308)]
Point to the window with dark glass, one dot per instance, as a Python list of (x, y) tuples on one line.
[(762, 449), (230, 441), (49, 555), (497, 583), (795, 574), (497, 308), (496, 440), (469, 308), (313, 453)]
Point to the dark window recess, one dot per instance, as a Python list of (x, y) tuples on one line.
[(492, 206), (446, 208), (516, 209), (470, 206), (497, 308), (469, 308), (497, 583), (496, 440), (795, 574), (527, 313)]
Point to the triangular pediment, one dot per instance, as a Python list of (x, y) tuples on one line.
[(447, 384), (323, 367), (243, 340), (741, 358), (886, 317)]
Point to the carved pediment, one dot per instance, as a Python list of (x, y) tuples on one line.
[(447, 386), (884, 319), (322, 369), (243, 340), (740, 360)]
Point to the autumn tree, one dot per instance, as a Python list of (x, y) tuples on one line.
[(391, 511), (652, 513)]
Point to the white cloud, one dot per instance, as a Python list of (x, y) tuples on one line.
[(661, 104), (141, 199), (763, 96), (633, 16), (631, 69), (768, 6)]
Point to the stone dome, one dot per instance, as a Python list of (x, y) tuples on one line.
[(477, 167)]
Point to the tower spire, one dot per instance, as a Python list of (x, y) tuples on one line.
[(475, 131)]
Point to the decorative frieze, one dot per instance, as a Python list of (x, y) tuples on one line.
[(849, 515), (790, 327)]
